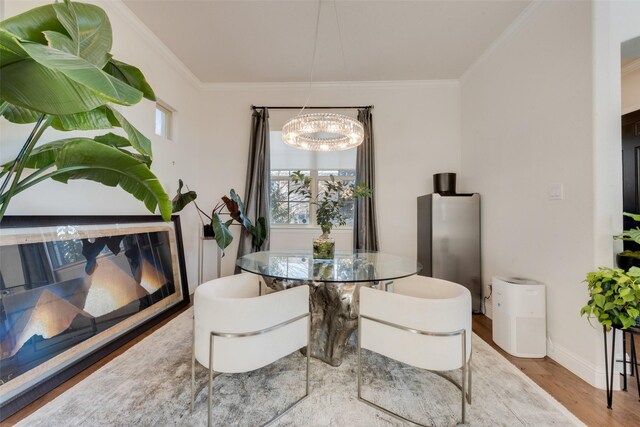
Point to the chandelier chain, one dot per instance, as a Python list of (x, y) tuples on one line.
[(313, 57), (344, 59)]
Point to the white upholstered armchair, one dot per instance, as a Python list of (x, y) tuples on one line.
[(236, 329), (424, 322)]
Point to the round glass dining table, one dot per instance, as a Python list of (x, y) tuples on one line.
[(334, 285)]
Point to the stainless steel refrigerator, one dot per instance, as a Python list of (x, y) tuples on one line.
[(449, 240)]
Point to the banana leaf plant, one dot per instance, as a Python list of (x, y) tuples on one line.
[(56, 71), (220, 228)]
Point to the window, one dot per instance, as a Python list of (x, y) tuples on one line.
[(164, 116), (287, 208), (290, 208)]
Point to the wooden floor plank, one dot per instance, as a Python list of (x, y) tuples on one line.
[(584, 401)]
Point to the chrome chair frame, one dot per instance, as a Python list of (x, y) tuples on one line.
[(464, 387), (214, 334)]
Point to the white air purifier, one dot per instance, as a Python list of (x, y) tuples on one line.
[(519, 316)]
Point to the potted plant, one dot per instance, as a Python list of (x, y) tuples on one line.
[(629, 258), (614, 297), (57, 72), (217, 228), (329, 203)]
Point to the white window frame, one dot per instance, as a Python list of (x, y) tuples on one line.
[(315, 179), (166, 128)]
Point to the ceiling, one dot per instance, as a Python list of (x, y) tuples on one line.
[(272, 40)]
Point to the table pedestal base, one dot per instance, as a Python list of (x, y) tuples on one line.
[(334, 315)]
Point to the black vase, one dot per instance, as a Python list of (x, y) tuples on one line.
[(444, 183), (626, 262), (207, 231)]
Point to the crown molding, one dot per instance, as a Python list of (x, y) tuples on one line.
[(510, 32), (135, 23), (330, 85), (631, 67)]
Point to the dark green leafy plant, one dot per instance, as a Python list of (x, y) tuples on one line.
[(632, 235), (331, 201), (56, 71), (235, 209), (614, 297)]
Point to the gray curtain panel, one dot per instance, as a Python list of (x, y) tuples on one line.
[(365, 225), (256, 196)]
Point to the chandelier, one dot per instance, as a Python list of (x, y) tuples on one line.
[(323, 131)]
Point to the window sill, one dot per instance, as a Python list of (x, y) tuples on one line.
[(302, 227)]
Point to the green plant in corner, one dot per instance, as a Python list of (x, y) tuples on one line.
[(56, 71), (219, 228), (614, 297)]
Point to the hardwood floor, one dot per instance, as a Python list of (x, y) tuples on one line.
[(586, 402)]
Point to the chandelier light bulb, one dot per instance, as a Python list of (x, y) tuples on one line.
[(323, 132)]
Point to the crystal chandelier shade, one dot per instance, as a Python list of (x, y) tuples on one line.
[(323, 132)]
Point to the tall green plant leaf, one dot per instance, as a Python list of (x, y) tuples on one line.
[(120, 142), (87, 120), (182, 199), (52, 81), (111, 167), (10, 50), (104, 117), (84, 73), (31, 24), (89, 28), (20, 115), (33, 86), (61, 42), (130, 75), (113, 140), (43, 156), (223, 235), (138, 141)]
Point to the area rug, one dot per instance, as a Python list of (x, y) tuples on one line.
[(149, 385)]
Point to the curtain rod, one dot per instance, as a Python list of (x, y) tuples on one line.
[(253, 107)]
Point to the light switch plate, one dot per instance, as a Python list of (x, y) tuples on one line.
[(556, 192)]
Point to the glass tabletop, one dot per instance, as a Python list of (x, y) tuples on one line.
[(344, 267)]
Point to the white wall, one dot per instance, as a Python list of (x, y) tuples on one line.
[(631, 89), (416, 131), (172, 159), (526, 125)]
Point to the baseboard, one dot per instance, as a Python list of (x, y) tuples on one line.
[(593, 375)]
